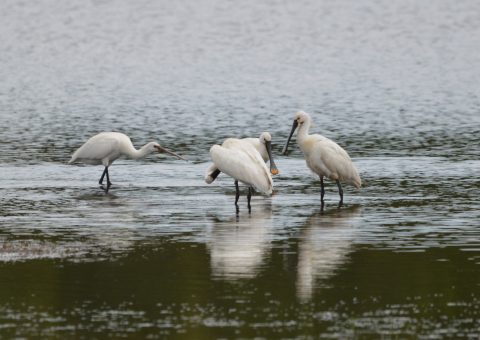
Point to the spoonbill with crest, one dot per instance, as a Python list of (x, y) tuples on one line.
[(324, 157), (106, 147)]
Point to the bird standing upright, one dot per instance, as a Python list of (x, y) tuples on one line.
[(106, 147), (324, 157)]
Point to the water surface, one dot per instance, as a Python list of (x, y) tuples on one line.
[(165, 255)]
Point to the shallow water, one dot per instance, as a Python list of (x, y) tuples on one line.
[(163, 254)]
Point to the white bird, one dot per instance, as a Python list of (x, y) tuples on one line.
[(263, 144), (324, 157), (239, 159), (106, 147)]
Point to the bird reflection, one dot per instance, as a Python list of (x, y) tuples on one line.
[(106, 221), (325, 244), (238, 246)]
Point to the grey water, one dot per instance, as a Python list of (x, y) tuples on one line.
[(164, 255)]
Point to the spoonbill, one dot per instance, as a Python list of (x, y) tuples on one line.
[(239, 159), (263, 144), (324, 157), (106, 147)]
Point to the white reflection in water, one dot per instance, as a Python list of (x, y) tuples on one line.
[(238, 246), (97, 225), (324, 246)]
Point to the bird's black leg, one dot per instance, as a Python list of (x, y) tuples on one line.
[(322, 192), (103, 175), (109, 184), (340, 192), (237, 194), (249, 197)]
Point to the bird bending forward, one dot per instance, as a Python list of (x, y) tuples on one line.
[(262, 144), (105, 147), (240, 160)]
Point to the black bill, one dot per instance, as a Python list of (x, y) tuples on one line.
[(294, 126)]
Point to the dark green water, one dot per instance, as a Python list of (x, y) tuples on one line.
[(164, 255)]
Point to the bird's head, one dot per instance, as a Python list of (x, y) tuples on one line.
[(266, 139), (299, 119), (157, 147)]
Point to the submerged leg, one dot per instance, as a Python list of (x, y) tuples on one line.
[(249, 197), (237, 193), (322, 192), (108, 180), (103, 175), (340, 192)]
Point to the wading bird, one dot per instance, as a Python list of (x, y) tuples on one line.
[(324, 157), (106, 147), (241, 160), (263, 144)]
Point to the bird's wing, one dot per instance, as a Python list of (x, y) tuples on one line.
[(232, 142), (242, 161), (96, 149), (334, 158), (260, 147), (331, 146), (255, 142)]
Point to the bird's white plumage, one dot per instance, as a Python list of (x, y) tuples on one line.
[(240, 160), (259, 146), (324, 156), (99, 149), (102, 148), (106, 147), (257, 143)]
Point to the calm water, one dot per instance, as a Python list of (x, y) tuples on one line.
[(163, 255)]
